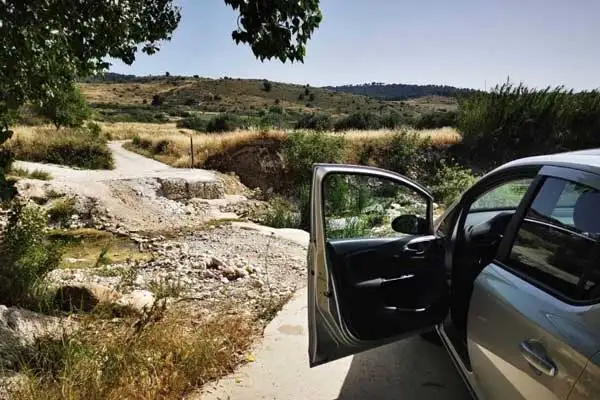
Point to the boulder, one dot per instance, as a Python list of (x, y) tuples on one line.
[(19, 328), (138, 301), (84, 297)]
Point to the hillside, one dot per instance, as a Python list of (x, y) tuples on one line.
[(121, 95), (400, 91)]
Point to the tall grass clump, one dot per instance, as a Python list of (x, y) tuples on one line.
[(26, 256), (516, 121)]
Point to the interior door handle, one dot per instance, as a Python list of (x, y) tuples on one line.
[(535, 354)]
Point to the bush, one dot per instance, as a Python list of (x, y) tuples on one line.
[(317, 122), (196, 123), (156, 100), (280, 214), (75, 147), (361, 120), (61, 211), (407, 153), (223, 123), (302, 150), (516, 121), (391, 120), (68, 108), (26, 256), (267, 86), (449, 182), (436, 120)]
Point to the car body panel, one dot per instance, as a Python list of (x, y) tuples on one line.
[(506, 311), (588, 385)]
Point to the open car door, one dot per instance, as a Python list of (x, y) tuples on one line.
[(376, 271)]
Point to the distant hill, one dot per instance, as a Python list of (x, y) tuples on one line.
[(400, 91), (113, 92)]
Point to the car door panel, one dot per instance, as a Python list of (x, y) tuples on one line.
[(365, 292), (378, 300), (508, 313)]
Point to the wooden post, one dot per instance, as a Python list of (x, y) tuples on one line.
[(192, 151)]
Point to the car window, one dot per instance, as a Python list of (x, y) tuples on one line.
[(557, 242), (506, 196), (363, 206)]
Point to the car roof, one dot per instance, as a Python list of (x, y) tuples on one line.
[(587, 160)]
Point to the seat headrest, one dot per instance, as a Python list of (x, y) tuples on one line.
[(586, 215)]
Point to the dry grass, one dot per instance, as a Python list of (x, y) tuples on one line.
[(438, 136), (156, 357), (127, 130), (205, 145), (123, 93)]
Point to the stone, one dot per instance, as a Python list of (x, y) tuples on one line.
[(84, 297), (139, 301)]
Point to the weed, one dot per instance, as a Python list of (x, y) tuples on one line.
[(61, 210), (103, 258), (164, 287), (26, 256), (25, 173)]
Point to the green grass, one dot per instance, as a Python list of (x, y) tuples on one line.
[(25, 173)]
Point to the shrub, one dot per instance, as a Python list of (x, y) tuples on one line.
[(516, 121), (267, 86), (361, 120), (301, 96), (61, 211), (280, 214), (407, 153), (35, 174), (76, 147), (311, 97), (391, 120), (223, 123), (196, 123), (68, 108), (317, 122), (449, 182), (94, 129), (26, 256), (437, 119), (156, 100), (302, 150)]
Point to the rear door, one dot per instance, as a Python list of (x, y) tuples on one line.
[(532, 323), (376, 271)]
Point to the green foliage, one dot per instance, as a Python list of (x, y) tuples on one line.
[(61, 211), (267, 86), (66, 108), (315, 121), (407, 153), (76, 148), (437, 119), (165, 287), (196, 123), (26, 256), (35, 174), (223, 123), (280, 214), (302, 150), (517, 121), (449, 182), (361, 120), (94, 129), (276, 29), (391, 120)]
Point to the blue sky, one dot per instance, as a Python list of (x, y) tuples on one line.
[(465, 43)]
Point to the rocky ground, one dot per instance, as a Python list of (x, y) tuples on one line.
[(197, 259)]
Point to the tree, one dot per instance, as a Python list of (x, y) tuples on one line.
[(67, 108), (276, 29), (48, 44), (267, 86)]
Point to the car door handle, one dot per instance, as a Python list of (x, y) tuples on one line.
[(535, 354)]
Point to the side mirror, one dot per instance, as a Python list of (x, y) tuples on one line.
[(410, 224)]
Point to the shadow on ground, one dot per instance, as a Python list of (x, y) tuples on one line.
[(407, 370)]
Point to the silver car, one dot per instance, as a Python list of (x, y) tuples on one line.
[(508, 276)]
